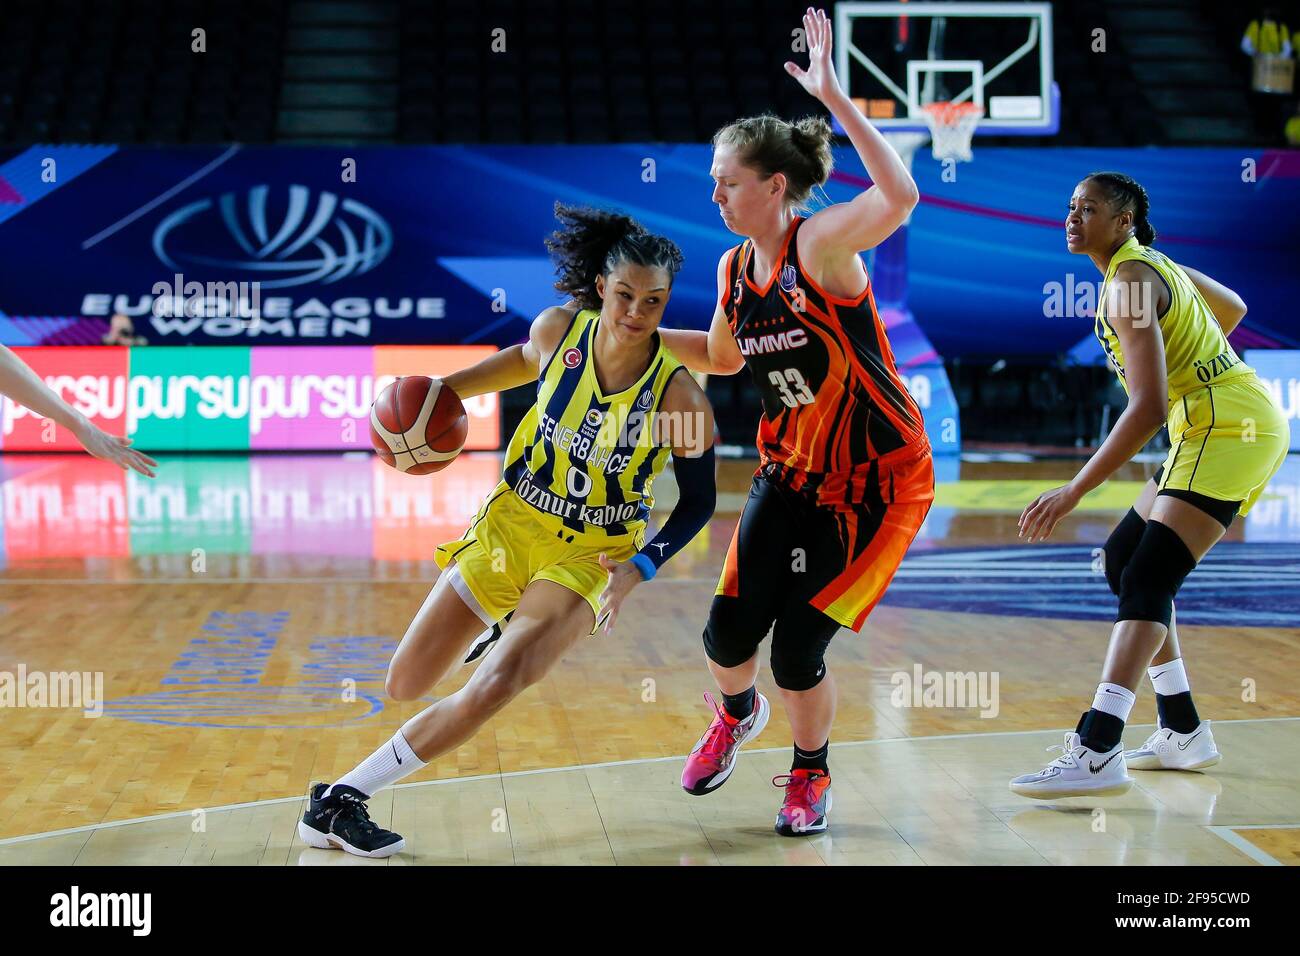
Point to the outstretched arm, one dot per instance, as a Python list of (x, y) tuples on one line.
[(516, 365), (715, 351), (872, 216), (25, 387)]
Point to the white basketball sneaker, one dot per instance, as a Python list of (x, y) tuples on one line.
[(1169, 750), (1078, 772)]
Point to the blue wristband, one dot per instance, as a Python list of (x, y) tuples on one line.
[(644, 565)]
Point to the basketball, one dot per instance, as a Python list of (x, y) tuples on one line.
[(418, 425)]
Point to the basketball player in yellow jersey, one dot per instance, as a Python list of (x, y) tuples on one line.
[(1164, 328), (561, 540)]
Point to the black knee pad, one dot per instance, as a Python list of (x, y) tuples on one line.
[(799, 643), (733, 631), (1153, 576), (1119, 547)]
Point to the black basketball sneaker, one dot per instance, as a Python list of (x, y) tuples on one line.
[(341, 821)]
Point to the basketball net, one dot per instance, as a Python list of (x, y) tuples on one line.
[(952, 126), (905, 144)]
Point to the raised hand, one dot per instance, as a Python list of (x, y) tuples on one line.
[(819, 79)]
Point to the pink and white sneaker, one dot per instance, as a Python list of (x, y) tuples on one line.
[(714, 757), (807, 802)]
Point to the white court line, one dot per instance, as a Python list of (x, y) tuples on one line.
[(158, 200), (1225, 834), (477, 778)]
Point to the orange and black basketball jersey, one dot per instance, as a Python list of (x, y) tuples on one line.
[(835, 411)]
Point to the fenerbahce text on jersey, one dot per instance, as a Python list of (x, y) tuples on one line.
[(585, 461), (836, 415)]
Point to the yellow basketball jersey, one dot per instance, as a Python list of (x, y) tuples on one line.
[(1197, 352), (585, 461)]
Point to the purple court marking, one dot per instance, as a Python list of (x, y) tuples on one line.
[(242, 708), (1241, 584)]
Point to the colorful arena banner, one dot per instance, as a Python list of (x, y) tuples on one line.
[(235, 398), (443, 245), (93, 379), (1280, 371), (313, 397), (392, 361), (192, 399)]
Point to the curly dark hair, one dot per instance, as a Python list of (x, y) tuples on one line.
[(1125, 192), (591, 242)]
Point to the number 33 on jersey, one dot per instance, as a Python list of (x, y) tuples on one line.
[(833, 401)]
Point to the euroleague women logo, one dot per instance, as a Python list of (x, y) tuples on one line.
[(278, 242), (571, 358)]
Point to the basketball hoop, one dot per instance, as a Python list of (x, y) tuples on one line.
[(905, 143), (952, 126)]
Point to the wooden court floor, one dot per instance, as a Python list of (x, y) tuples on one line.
[(240, 613)]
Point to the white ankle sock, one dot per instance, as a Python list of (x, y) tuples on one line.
[(1169, 678), (1115, 700), (383, 768)]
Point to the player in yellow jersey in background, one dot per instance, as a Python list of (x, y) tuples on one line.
[(1164, 328), (560, 542)]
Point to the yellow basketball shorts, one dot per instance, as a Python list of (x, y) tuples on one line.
[(507, 547), (1226, 442)]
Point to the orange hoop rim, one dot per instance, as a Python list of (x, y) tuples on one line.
[(949, 113)]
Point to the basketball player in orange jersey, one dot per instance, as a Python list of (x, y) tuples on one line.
[(25, 387), (845, 477), (560, 542)]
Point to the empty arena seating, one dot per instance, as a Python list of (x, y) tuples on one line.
[(434, 71), (73, 71)]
